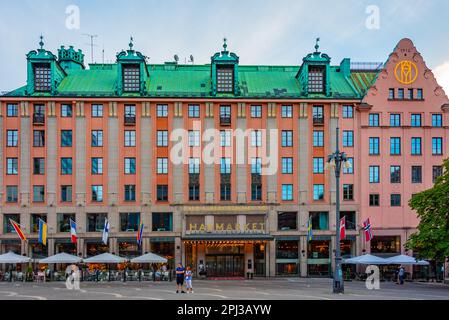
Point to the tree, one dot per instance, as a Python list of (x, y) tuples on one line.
[(432, 206)]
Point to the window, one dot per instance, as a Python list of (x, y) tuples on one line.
[(66, 138), (38, 138), (437, 171), (12, 194), (374, 120), (318, 165), (97, 193), (287, 192), (225, 138), (7, 226), (318, 114), (97, 165), (391, 94), (437, 146), (416, 146), (95, 221), (194, 138), (225, 192), (162, 193), (348, 138), (12, 166), (395, 146), (351, 169), (12, 138), (419, 94), (256, 138), (162, 166), (316, 79), (348, 112), (318, 192), (374, 176), (162, 221), (34, 222), (66, 193), (256, 111), (437, 120), (225, 79), (66, 166), (320, 220), (287, 138), (130, 165), (194, 165), (97, 138), (287, 165), (287, 221), (410, 94), (97, 110), (162, 138), (225, 166), (416, 174), (395, 120), (395, 200), (401, 94), (130, 192), (348, 192), (38, 193), (194, 191), (395, 174), (225, 114), (194, 111), (12, 110), (130, 138), (374, 146), (162, 111), (415, 120), (318, 138), (129, 222), (66, 110), (350, 217), (39, 166), (131, 78), (256, 192), (287, 112), (64, 221), (42, 77), (374, 200), (256, 165), (130, 110), (386, 244)]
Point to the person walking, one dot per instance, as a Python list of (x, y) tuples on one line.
[(180, 273), (401, 275), (189, 280)]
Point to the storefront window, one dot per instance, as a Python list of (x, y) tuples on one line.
[(320, 220), (64, 221), (162, 221), (10, 245), (319, 263), (386, 244), (259, 259), (287, 221), (7, 226), (95, 221), (166, 249), (350, 216), (319, 249), (96, 248), (69, 248), (38, 250), (35, 221), (129, 249), (129, 222), (346, 248), (287, 254)]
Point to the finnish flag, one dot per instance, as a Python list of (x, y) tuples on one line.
[(106, 232)]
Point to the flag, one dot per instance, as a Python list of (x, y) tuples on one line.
[(73, 231), (18, 230), (309, 230), (106, 232), (42, 232), (368, 230), (343, 228), (139, 234)]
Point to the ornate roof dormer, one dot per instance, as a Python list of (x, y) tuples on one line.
[(314, 74), (224, 72), (71, 59), (132, 72)]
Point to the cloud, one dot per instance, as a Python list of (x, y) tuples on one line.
[(442, 74)]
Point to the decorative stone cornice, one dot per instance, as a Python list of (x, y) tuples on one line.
[(113, 110), (79, 106), (241, 110), (335, 110), (146, 110), (51, 109), (364, 107), (178, 110), (303, 110), (271, 110), (209, 109), (445, 107), (24, 109)]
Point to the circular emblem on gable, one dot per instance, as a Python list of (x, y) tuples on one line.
[(406, 72)]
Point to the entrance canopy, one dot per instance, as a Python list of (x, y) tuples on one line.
[(366, 259), (105, 258), (406, 260), (60, 258), (149, 258), (228, 237), (12, 257)]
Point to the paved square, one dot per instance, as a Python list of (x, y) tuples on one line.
[(275, 289)]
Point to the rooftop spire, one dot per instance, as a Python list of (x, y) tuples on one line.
[(225, 45), (131, 45), (317, 44), (41, 43)]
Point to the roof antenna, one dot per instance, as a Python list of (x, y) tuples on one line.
[(41, 43), (317, 45), (92, 45)]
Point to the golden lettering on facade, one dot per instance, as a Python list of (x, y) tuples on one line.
[(256, 226), (406, 72)]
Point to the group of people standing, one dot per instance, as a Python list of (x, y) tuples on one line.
[(183, 275)]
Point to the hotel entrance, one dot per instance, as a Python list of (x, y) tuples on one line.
[(225, 265)]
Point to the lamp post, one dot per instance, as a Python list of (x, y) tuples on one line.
[(335, 161)]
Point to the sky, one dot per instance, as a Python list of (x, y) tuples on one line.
[(269, 32)]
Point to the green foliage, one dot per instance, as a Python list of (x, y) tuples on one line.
[(432, 206)]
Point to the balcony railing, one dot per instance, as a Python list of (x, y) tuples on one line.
[(38, 119), (318, 120), (225, 121), (130, 120)]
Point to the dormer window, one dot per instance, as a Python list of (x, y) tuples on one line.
[(42, 77), (225, 79), (316, 79), (131, 78)]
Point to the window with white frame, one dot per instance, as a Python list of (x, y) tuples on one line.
[(162, 165)]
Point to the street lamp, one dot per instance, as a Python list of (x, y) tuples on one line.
[(335, 161)]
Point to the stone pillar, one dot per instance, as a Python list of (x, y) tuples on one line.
[(145, 154), (25, 156), (51, 247), (249, 255), (304, 244), (209, 169), (113, 167), (178, 169), (272, 258), (303, 153), (52, 177), (241, 169), (272, 180), (179, 256), (80, 168)]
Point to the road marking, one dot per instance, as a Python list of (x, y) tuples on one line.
[(212, 295), (107, 293), (15, 294)]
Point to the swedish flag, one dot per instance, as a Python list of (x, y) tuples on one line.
[(309, 230), (42, 232)]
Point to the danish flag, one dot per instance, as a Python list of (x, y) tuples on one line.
[(343, 228)]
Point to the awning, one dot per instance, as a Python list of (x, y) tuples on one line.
[(149, 258), (60, 258), (366, 259), (11, 257), (105, 258), (229, 237), (406, 260)]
